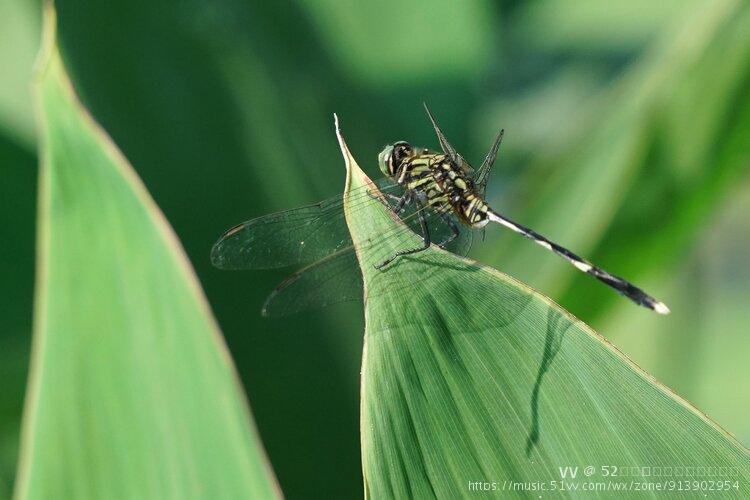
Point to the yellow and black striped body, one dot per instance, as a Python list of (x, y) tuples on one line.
[(444, 187)]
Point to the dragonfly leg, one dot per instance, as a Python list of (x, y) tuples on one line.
[(401, 201), (454, 228), (425, 240)]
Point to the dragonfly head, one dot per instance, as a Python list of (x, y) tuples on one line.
[(389, 160)]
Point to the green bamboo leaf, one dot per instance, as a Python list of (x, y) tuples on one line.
[(348, 29), (132, 393), (470, 376)]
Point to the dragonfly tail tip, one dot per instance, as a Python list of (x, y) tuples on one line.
[(661, 308)]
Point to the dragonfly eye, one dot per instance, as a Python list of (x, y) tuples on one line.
[(391, 157), (401, 151)]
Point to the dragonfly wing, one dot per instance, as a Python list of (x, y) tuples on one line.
[(299, 235), (335, 279), (483, 172), (280, 239), (447, 148)]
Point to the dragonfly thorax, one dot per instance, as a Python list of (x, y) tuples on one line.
[(444, 187)]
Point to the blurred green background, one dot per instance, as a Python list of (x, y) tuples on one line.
[(627, 139)]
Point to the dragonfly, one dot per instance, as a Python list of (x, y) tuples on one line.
[(437, 195)]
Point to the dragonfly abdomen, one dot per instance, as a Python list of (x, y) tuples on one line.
[(474, 211)]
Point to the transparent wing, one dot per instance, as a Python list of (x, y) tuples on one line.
[(331, 280), (481, 175), (337, 277), (483, 172), (318, 233), (447, 148), (299, 235)]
